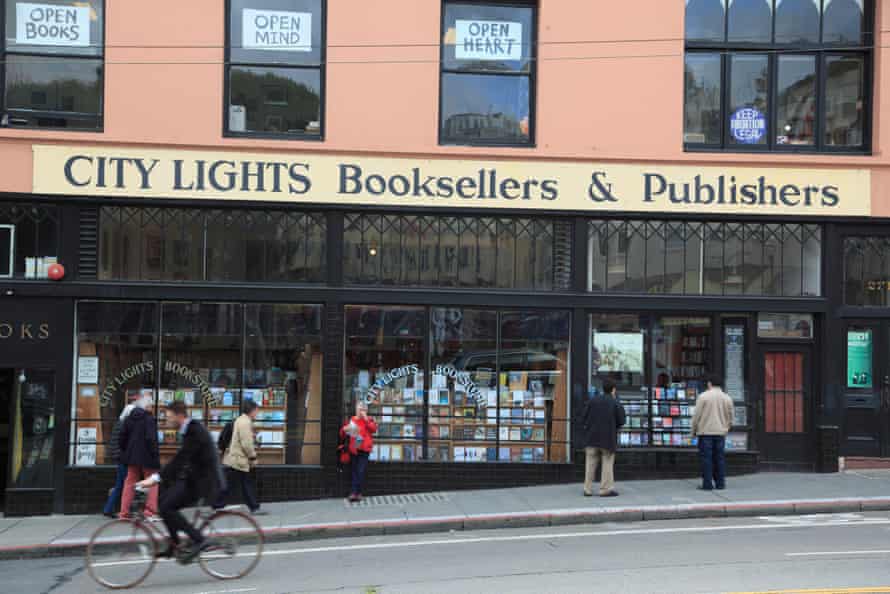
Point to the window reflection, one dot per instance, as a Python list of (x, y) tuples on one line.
[(276, 100), (750, 20), (70, 89), (844, 100), (796, 104), (478, 107), (703, 84), (844, 21), (750, 84), (705, 20), (797, 21)]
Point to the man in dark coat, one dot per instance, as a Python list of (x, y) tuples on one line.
[(602, 418), (192, 474), (138, 443)]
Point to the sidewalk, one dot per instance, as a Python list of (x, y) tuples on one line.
[(754, 495)]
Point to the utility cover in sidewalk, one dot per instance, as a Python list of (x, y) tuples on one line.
[(400, 500)]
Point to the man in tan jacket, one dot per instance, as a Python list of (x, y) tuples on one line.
[(240, 457), (710, 424)]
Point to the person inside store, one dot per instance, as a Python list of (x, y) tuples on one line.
[(601, 420), (193, 473), (240, 457), (359, 431), (139, 451), (710, 424), (114, 452)]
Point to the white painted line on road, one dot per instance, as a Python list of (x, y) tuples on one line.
[(632, 532), (840, 553), (234, 591)]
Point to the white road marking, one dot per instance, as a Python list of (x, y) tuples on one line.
[(833, 553), (810, 518)]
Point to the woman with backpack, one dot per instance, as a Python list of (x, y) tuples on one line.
[(114, 452), (359, 430), (140, 453)]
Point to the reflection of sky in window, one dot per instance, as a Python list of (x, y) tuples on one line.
[(797, 20), (26, 70), (843, 20), (486, 95), (750, 20), (704, 19), (747, 73)]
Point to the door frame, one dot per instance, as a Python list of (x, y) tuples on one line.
[(802, 444), (879, 394)]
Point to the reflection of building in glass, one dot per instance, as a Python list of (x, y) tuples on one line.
[(478, 125)]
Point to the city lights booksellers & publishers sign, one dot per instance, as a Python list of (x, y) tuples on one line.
[(449, 183)]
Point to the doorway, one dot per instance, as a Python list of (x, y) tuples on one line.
[(784, 404), (6, 390), (866, 385)]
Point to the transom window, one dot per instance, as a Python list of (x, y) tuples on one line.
[(488, 73), (275, 68), (782, 75), (52, 64)]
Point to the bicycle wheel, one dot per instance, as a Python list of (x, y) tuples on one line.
[(236, 545), (121, 554)]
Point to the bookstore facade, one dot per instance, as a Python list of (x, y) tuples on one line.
[(474, 323)]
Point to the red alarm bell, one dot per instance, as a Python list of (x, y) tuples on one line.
[(55, 272)]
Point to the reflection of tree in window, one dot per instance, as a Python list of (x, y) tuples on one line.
[(797, 100), (797, 20), (750, 20), (844, 101), (281, 100), (704, 19), (53, 86)]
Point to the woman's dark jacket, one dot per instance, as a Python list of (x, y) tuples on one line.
[(139, 440)]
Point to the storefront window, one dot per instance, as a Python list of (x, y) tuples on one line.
[(54, 74), (173, 244), (116, 365), (507, 253), (867, 271), (681, 359), (497, 382), (211, 356), (778, 325), (705, 258), (488, 73), (29, 239), (275, 68), (618, 349)]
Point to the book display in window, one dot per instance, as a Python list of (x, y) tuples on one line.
[(398, 410), (526, 411), (635, 432), (672, 409)]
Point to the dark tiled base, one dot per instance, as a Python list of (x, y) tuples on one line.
[(28, 503)]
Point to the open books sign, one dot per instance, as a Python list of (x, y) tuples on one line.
[(50, 24)]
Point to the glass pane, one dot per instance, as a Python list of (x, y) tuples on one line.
[(226, 247), (655, 259), (859, 359), (201, 350), (733, 279), (36, 238), (749, 99), (713, 260), (117, 348), (283, 375), (32, 429), (485, 108), (844, 22), (487, 38), (750, 21), (675, 255), (778, 325), (385, 366), (796, 109), (74, 27), (681, 359), (844, 101), (54, 84), (703, 88), (753, 260), (7, 241), (463, 405), (772, 260), (276, 32), (797, 21), (695, 248), (533, 386), (183, 245), (275, 100), (705, 20), (598, 256), (792, 262), (618, 355)]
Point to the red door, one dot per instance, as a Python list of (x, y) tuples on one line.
[(785, 401)]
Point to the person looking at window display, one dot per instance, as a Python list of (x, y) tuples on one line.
[(140, 452), (360, 430)]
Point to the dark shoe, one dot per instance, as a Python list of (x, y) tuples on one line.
[(723, 488), (586, 494), (609, 494), (352, 498), (167, 552), (193, 551), (111, 515)]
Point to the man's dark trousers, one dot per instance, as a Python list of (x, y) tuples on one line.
[(172, 500), (713, 461), (248, 488)]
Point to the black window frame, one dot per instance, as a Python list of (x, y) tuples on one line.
[(532, 74), (7, 114), (228, 64), (774, 50)]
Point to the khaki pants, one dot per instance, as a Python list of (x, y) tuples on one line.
[(592, 460)]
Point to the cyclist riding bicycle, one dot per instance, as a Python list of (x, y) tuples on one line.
[(193, 473)]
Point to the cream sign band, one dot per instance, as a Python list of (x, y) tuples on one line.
[(447, 183)]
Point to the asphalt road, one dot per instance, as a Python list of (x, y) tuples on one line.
[(830, 553)]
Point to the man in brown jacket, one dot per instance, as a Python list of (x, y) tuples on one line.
[(240, 458), (710, 424)]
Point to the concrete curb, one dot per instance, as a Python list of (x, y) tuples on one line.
[(537, 519)]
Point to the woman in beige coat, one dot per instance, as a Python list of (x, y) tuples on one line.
[(240, 458)]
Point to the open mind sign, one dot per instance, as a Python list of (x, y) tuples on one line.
[(276, 30)]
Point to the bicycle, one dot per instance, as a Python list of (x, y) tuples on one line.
[(123, 552)]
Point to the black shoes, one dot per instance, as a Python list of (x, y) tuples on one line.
[(193, 551), (610, 494)]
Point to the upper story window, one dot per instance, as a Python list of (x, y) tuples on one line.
[(29, 239), (781, 75), (52, 64), (274, 76), (488, 73)]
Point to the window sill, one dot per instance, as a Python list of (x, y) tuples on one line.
[(271, 136), (508, 145), (774, 152)]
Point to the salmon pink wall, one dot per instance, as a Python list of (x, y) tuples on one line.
[(614, 94)]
